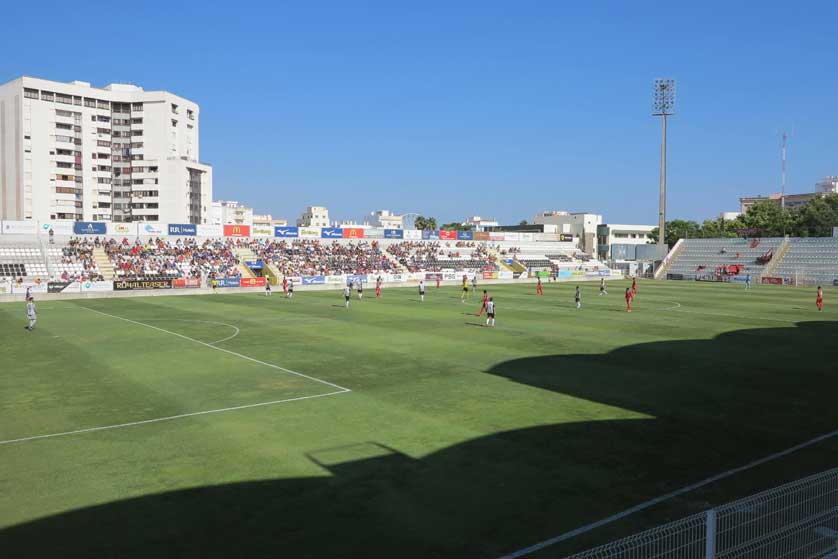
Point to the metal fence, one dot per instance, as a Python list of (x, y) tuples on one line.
[(795, 521)]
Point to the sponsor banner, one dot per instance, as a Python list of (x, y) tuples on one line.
[(450, 276), (738, 279), (517, 275), (565, 237), (130, 285), (37, 287), (314, 280), (412, 234), (187, 229), (394, 234), (448, 235), (149, 228), (565, 274), (430, 235), (395, 277), (237, 230), (605, 273), (374, 233), (481, 236), (226, 282), (58, 286), (181, 283), (336, 280), (5, 287), (121, 228), (505, 274), (674, 276), (19, 227), (251, 282), (432, 276), (465, 235), (528, 237), (577, 274), (490, 275), (262, 231), (331, 233), (353, 233), (88, 286), (773, 281), (309, 232), (210, 230), (509, 237), (286, 231), (58, 227), (496, 236), (258, 265), (356, 279), (88, 228)]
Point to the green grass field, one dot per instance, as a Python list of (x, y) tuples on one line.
[(452, 440)]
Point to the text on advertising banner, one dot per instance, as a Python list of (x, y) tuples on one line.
[(465, 235), (187, 229), (331, 233), (448, 235), (353, 233), (90, 228), (286, 231), (252, 282), (393, 234), (237, 230)]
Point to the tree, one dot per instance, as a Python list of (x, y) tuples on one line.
[(818, 217), (768, 219), (427, 223), (677, 229), (454, 226), (523, 222)]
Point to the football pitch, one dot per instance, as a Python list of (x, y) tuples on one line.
[(240, 425)]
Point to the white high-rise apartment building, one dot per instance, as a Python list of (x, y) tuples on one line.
[(314, 216), (72, 151)]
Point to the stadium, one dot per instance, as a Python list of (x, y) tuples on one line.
[(611, 366)]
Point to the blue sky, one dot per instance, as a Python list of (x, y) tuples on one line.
[(453, 108)]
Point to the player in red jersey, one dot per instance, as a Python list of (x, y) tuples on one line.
[(378, 288), (539, 290), (634, 286), (629, 297), (285, 286), (820, 298), (438, 277), (485, 300)]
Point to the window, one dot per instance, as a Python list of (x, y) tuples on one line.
[(77, 101), (64, 165), (136, 121), (47, 96), (102, 104), (66, 99), (137, 107), (103, 118), (27, 137), (59, 112), (190, 114), (136, 145), (30, 93), (137, 157), (174, 122), (103, 180), (174, 108), (64, 190), (189, 127), (136, 132), (62, 126), (103, 131), (103, 144), (63, 139), (88, 102)]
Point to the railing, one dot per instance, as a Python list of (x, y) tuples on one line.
[(795, 521)]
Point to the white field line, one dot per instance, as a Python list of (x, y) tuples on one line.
[(236, 333), (675, 305), (239, 355), (168, 418), (668, 496)]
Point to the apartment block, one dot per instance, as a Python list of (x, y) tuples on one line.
[(119, 153)]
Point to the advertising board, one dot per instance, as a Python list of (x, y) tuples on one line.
[(314, 280), (210, 230), (286, 232), (228, 282), (181, 283), (251, 282), (448, 235), (58, 227), (465, 235), (331, 233), (393, 234), (309, 232), (237, 230), (187, 229), (95, 286), (262, 231), (19, 227), (412, 234), (353, 233), (151, 228), (131, 285), (430, 235), (88, 228)]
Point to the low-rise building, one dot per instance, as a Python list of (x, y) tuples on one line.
[(386, 219), (480, 223), (230, 212), (614, 240), (582, 225), (314, 216)]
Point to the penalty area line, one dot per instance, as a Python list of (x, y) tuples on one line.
[(168, 418), (205, 344), (657, 500)]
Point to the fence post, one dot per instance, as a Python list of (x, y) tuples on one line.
[(710, 548)]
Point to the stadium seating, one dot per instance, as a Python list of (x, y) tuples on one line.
[(314, 258), (713, 258), (21, 259), (810, 261)]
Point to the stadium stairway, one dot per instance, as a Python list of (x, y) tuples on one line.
[(501, 260), (393, 260), (777, 260), (662, 270), (103, 263), (271, 270), (244, 254)]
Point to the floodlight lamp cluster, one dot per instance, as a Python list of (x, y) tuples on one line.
[(664, 97)]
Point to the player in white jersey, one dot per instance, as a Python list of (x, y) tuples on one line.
[(602, 290), (31, 313), (422, 290), (360, 290), (490, 312), (290, 289), (267, 285), (578, 297), (347, 294)]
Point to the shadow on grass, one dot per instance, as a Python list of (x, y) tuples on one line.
[(714, 404)]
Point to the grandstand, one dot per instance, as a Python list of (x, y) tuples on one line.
[(21, 258), (809, 261), (719, 259)]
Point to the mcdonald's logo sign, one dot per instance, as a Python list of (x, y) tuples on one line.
[(353, 233), (237, 230)]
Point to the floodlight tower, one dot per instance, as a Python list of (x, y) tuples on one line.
[(663, 105)]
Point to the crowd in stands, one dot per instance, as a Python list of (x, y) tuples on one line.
[(315, 258), (433, 256), (183, 258), (81, 253)]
